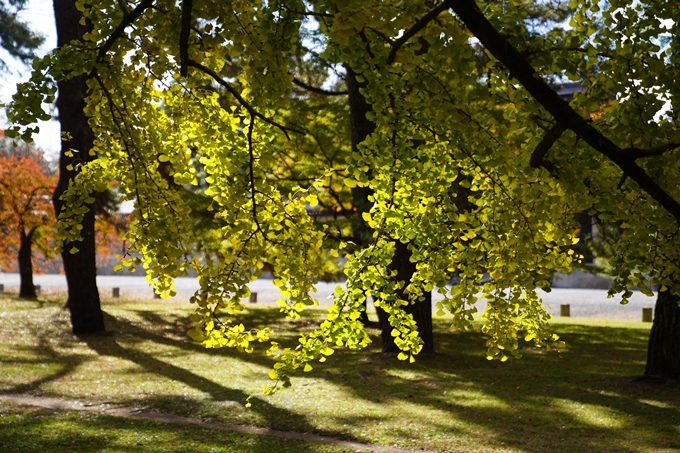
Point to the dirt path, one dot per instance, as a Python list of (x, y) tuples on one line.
[(117, 411)]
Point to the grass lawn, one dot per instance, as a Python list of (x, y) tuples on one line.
[(29, 430), (454, 400)]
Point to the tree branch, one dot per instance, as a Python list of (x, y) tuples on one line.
[(245, 104), (128, 19), (415, 28), (120, 29), (549, 139), (519, 67), (313, 89), (637, 153), (382, 36), (251, 160), (307, 13), (187, 6)]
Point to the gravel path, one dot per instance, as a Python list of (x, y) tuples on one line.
[(584, 303)]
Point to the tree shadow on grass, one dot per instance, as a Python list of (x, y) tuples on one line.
[(40, 362), (40, 430), (46, 356), (584, 400), (221, 397), (543, 402), (171, 331)]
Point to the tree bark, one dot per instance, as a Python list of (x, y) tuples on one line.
[(27, 288), (80, 268), (421, 311), (360, 129), (663, 349)]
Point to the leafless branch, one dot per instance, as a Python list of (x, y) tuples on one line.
[(382, 36), (313, 89), (307, 13), (637, 153)]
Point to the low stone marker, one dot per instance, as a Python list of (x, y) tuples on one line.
[(647, 315), (2, 288), (115, 292), (564, 310), (253, 298), (37, 290)]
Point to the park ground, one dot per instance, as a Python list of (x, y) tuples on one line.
[(583, 399)]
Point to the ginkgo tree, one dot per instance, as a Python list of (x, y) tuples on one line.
[(471, 164)]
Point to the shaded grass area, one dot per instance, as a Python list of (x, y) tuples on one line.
[(28, 430), (454, 400)]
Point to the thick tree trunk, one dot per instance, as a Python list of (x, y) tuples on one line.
[(80, 268), (663, 350), (421, 311), (360, 128), (27, 288)]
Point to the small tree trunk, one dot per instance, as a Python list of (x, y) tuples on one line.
[(421, 311), (80, 268), (27, 288), (663, 349)]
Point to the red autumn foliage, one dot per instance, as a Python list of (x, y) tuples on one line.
[(26, 213)]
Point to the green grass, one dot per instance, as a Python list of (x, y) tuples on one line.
[(28, 430), (583, 400)]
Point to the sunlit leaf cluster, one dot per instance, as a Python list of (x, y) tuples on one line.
[(203, 124)]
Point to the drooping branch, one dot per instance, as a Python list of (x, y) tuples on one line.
[(245, 104), (313, 89), (521, 69), (538, 156), (415, 28), (187, 6)]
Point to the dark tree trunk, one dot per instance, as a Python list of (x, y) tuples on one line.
[(663, 350), (80, 268), (421, 311), (27, 288), (360, 128)]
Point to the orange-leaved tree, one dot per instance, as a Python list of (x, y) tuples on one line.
[(26, 214), (110, 227)]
